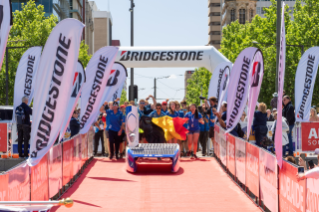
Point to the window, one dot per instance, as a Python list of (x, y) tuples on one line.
[(214, 33), (214, 5), (215, 42), (215, 14), (214, 23), (242, 16), (232, 15), (262, 10), (251, 15), (258, 10)]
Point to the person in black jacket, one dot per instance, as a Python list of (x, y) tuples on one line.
[(289, 113), (74, 124), (260, 123), (24, 129)]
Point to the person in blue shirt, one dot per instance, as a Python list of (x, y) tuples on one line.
[(164, 106), (212, 117), (145, 109), (222, 116), (204, 129), (194, 118), (115, 126), (158, 112), (172, 113)]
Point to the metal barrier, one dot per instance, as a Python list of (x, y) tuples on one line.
[(52, 176), (255, 170)]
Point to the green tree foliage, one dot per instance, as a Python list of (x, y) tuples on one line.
[(303, 30), (197, 85), (123, 97), (84, 57), (30, 28)]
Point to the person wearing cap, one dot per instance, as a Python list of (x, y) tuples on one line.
[(144, 109), (273, 102), (115, 126), (164, 106)]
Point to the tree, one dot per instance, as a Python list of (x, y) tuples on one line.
[(30, 28), (302, 31), (123, 97), (84, 57), (197, 85)]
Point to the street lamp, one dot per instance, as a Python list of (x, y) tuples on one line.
[(132, 44), (172, 76), (7, 65), (269, 44)]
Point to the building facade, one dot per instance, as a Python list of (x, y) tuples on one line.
[(241, 10), (102, 21), (214, 23), (60, 8)]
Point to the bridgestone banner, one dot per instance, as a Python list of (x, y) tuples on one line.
[(97, 71), (77, 82), (239, 82), (304, 83), (281, 75), (268, 179), (26, 76), (53, 88), (223, 87), (254, 87), (216, 79), (5, 26), (115, 83)]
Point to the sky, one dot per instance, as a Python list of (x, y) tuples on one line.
[(159, 23)]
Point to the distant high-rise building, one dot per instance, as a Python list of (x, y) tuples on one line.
[(102, 21), (188, 75), (214, 23), (60, 8)]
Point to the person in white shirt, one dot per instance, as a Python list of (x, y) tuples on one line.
[(285, 128)]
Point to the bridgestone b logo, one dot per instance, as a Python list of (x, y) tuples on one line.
[(162, 56), (47, 117)]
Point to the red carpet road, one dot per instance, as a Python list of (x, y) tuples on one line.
[(200, 185)]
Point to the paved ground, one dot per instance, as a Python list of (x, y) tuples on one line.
[(200, 185)]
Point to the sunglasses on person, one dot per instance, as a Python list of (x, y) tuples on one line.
[(158, 108), (142, 103)]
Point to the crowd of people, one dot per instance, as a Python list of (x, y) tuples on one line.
[(110, 125)]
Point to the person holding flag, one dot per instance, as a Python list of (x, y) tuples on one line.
[(194, 118)]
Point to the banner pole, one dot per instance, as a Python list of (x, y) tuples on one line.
[(278, 41), (66, 202)]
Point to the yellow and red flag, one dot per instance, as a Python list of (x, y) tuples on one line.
[(173, 127)]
